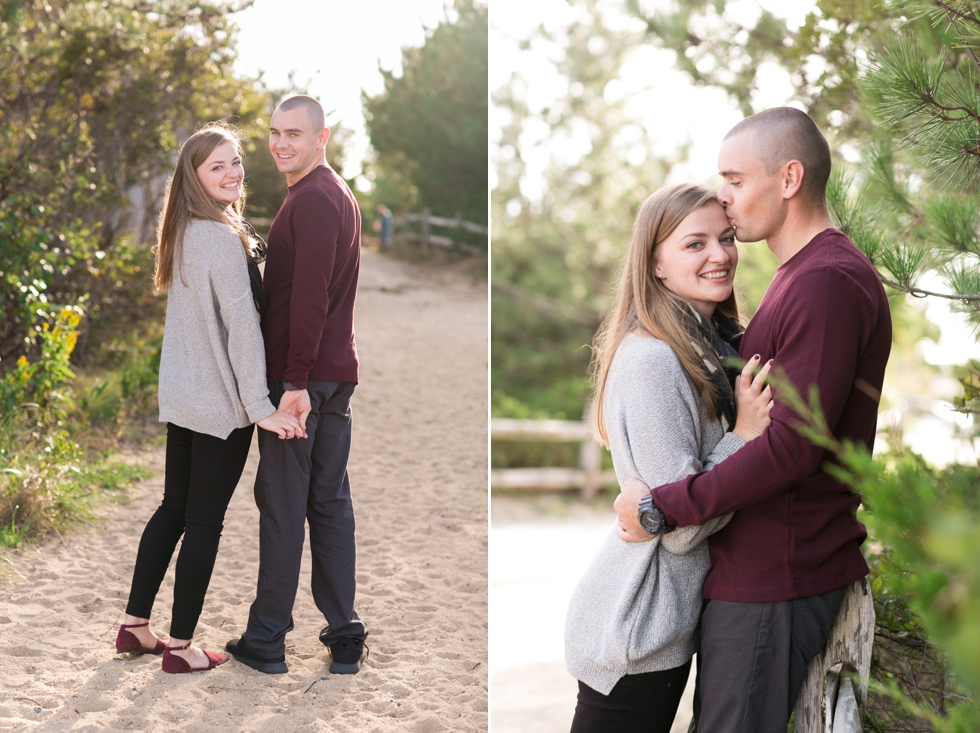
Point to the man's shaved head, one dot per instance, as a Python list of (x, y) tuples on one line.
[(314, 110), (784, 134)]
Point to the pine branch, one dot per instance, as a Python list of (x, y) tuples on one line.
[(950, 10), (967, 112), (919, 293)]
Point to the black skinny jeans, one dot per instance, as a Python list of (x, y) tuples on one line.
[(639, 703), (201, 475)]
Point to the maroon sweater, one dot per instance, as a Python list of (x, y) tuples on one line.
[(825, 321), (310, 283)]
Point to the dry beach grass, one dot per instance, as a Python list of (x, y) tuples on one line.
[(418, 471)]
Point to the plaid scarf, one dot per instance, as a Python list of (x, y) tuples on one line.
[(256, 257), (716, 342)]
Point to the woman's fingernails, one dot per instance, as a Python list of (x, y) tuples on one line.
[(756, 357)]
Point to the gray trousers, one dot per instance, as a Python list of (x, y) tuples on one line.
[(753, 661), (299, 481)]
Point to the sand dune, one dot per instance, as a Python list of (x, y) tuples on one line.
[(418, 471)]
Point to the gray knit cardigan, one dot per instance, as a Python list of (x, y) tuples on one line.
[(212, 367), (637, 606)]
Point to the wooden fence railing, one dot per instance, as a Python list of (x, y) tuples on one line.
[(403, 231), (588, 477)]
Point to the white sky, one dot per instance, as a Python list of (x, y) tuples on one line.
[(335, 47)]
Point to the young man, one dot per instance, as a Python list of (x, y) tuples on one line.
[(781, 566), (312, 367)]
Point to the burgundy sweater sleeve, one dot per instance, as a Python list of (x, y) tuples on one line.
[(818, 336), (316, 229)]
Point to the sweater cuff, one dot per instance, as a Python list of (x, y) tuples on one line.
[(728, 446), (260, 410)]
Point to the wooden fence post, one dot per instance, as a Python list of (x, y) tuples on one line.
[(397, 223), (850, 644), (425, 227), (590, 460)]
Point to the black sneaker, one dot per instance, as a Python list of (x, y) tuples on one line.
[(347, 652), (241, 651)]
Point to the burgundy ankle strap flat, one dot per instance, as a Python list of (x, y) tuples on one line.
[(126, 641), (172, 664)]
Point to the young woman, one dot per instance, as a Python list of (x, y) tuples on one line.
[(212, 388), (665, 407)]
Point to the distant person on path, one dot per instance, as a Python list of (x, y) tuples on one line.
[(780, 568), (212, 388), (312, 366), (665, 396), (387, 222)]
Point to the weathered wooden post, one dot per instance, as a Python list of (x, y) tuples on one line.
[(590, 459), (457, 230), (841, 708), (397, 224), (425, 228)]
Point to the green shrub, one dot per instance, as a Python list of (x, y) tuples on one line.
[(46, 481)]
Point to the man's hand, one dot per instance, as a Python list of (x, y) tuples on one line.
[(627, 508), (297, 403)]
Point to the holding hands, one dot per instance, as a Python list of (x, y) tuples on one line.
[(284, 424), (289, 421), (296, 402)]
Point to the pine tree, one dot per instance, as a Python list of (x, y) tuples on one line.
[(915, 207), (556, 253)]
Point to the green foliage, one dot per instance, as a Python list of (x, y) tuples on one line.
[(96, 98), (428, 127), (969, 402), (46, 481), (125, 391), (926, 522), (40, 386), (556, 257), (925, 525)]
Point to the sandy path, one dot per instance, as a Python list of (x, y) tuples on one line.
[(418, 471)]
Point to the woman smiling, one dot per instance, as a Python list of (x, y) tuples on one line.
[(666, 407)]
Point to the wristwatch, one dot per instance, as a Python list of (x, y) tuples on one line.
[(290, 388), (651, 518)]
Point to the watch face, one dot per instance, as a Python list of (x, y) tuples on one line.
[(650, 521)]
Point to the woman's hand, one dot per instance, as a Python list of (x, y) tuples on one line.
[(283, 424), (754, 399)]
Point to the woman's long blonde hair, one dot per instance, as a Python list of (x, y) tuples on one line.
[(187, 199), (645, 303)]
